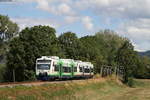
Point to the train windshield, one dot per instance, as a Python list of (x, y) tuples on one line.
[(43, 66)]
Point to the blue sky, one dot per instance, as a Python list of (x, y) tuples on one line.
[(129, 18)]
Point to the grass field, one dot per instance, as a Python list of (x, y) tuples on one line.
[(94, 89)]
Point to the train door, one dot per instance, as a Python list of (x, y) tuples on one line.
[(72, 69), (60, 68)]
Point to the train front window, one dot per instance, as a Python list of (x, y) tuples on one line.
[(43, 66)]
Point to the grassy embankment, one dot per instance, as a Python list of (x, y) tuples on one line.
[(94, 89)]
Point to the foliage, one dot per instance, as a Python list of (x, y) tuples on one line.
[(130, 82), (128, 58), (32, 43), (2, 72), (8, 30), (143, 70), (29, 75), (101, 48), (70, 45)]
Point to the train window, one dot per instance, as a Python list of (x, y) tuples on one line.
[(67, 69), (75, 69), (56, 68), (80, 68)]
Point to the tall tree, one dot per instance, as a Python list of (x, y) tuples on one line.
[(32, 43), (15, 62), (127, 57), (8, 30)]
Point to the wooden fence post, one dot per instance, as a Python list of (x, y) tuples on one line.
[(101, 72)]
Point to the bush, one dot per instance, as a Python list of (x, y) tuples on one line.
[(130, 82), (30, 75)]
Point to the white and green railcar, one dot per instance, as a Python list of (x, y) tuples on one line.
[(45, 67), (84, 69), (55, 68)]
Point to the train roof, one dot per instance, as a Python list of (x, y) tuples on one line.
[(48, 58), (86, 64), (78, 61), (65, 61)]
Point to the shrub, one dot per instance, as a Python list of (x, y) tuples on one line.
[(130, 82)]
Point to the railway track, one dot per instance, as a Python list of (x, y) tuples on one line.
[(33, 83)]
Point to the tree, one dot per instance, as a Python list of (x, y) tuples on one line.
[(8, 30), (143, 69), (70, 45), (32, 43), (15, 62), (127, 57), (101, 48)]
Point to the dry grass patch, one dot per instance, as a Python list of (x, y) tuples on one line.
[(75, 90)]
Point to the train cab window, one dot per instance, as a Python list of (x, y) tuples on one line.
[(75, 69), (80, 68), (43, 66), (86, 70), (92, 70)]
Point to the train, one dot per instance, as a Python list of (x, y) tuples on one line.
[(53, 67)]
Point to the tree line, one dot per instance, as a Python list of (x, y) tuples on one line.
[(19, 50)]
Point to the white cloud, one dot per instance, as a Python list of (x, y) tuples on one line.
[(116, 8), (29, 22), (57, 9), (135, 16), (138, 31), (43, 4), (112, 8), (65, 9), (87, 22)]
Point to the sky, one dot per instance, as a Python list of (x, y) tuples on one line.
[(128, 18)]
